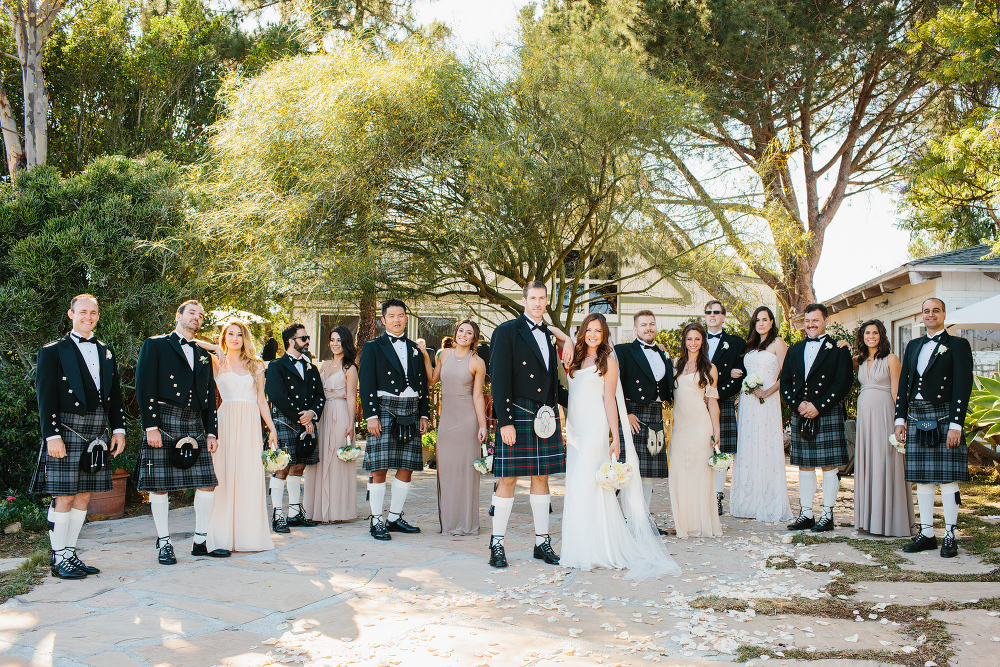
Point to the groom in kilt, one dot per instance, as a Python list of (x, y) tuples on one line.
[(79, 402), (726, 352), (815, 378), (175, 391), (934, 388), (392, 380), (647, 378), (525, 385), (295, 390)]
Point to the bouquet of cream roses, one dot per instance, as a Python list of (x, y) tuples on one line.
[(348, 452), (896, 444), (614, 475), (274, 459), (484, 464), (751, 383), (719, 461)]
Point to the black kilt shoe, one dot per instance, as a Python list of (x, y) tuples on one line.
[(949, 548), (802, 523), (300, 518), (202, 550), (79, 564), (378, 529), (719, 497), (921, 543), (544, 551), (498, 557), (400, 526), (824, 525), (64, 569), (166, 555), (278, 523)]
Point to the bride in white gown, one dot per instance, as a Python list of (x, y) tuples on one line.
[(596, 530)]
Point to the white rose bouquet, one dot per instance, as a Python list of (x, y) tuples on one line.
[(751, 383), (720, 461), (274, 459), (348, 452), (896, 444), (614, 475), (484, 464)]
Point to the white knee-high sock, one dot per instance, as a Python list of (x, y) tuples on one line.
[(294, 485), (159, 505), (807, 489), (925, 503), (278, 495), (376, 499), (57, 533), (720, 481), (501, 512), (949, 505), (540, 513), (202, 510), (396, 499), (831, 485), (647, 492), (76, 520)]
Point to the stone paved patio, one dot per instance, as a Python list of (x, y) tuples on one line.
[(331, 595)]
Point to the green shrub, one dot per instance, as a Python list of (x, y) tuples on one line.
[(19, 437), (15, 507)]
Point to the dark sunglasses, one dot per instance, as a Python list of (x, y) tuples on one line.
[(713, 312), (300, 337)]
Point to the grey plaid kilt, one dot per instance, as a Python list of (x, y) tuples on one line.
[(63, 477), (926, 465), (383, 452), (288, 433), (830, 446), (529, 455), (727, 425), (649, 466), (156, 473)]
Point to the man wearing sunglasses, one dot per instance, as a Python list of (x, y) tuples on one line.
[(295, 390), (726, 352)]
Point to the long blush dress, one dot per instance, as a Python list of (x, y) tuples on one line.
[(457, 448), (692, 482), (331, 492), (238, 521)]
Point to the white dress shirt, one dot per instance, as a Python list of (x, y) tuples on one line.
[(543, 344), (297, 364), (93, 360), (713, 344), (188, 351), (399, 347), (811, 352), (655, 363)]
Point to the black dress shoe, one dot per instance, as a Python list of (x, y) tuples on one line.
[(662, 531), (166, 556), (825, 525), (949, 548), (202, 550), (498, 558), (802, 523), (719, 497), (278, 523), (66, 570), (75, 561), (299, 519), (921, 543), (544, 551), (400, 526), (378, 529)]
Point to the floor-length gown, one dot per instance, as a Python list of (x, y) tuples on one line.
[(760, 487), (882, 501), (457, 448), (692, 482), (238, 521), (331, 492), (594, 529)]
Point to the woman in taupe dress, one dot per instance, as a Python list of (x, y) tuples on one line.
[(461, 430)]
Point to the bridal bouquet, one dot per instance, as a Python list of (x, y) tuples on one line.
[(751, 383), (348, 452), (719, 461), (896, 444), (614, 475), (484, 464), (275, 459)]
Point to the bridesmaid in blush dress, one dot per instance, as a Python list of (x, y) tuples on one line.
[(461, 429), (333, 483), (238, 521)]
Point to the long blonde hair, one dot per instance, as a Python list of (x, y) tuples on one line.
[(248, 355)]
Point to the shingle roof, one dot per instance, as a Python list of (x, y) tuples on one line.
[(964, 256)]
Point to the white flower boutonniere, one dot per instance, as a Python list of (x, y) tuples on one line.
[(552, 339), (107, 354), (828, 345), (416, 352), (725, 345), (942, 349), (204, 360)]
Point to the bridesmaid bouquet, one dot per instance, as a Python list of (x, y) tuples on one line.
[(751, 383), (275, 459), (614, 475), (719, 461), (348, 452), (896, 444), (484, 464)]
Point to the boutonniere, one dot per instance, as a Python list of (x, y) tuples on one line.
[(107, 353), (552, 339), (828, 345), (204, 360), (942, 349), (725, 345), (416, 352)]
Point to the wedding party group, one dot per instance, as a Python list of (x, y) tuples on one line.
[(632, 415)]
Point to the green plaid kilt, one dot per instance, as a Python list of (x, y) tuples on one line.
[(530, 454)]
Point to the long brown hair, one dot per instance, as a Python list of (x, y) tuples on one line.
[(754, 341), (580, 348), (884, 347), (703, 363), (248, 355), (475, 335)]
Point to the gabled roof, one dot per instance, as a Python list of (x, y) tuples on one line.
[(971, 256)]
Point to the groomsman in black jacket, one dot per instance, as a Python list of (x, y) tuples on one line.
[(815, 378), (933, 396), (294, 388), (647, 378), (726, 352), (175, 390), (392, 380), (79, 402)]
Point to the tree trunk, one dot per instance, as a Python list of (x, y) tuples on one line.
[(366, 322), (11, 137), (31, 22)]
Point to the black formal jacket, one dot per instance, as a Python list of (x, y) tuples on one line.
[(947, 378), (636, 376), (729, 355), (163, 374), (517, 369), (830, 378), (63, 383), (379, 370), (288, 392)]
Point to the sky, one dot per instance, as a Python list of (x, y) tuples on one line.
[(862, 241)]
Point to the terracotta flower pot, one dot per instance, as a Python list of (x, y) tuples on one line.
[(110, 504)]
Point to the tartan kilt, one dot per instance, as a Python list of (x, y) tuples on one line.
[(649, 466), (830, 446), (384, 452), (288, 433), (926, 465), (156, 473), (63, 477), (727, 425), (530, 454)]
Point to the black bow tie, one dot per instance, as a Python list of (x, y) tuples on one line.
[(718, 335), (532, 326), (933, 339), (80, 339), (815, 340), (396, 339), (647, 347), (187, 342)]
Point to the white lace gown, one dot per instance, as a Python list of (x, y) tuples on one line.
[(595, 533), (759, 487)]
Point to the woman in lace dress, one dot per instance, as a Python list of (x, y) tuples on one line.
[(238, 521), (760, 488)]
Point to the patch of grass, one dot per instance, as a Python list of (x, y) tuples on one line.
[(21, 580), (22, 543), (780, 562)]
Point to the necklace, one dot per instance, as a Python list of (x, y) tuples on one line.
[(458, 358)]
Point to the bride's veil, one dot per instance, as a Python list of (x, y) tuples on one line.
[(654, 559)]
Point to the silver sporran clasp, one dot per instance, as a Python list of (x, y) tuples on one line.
[(545, 422)]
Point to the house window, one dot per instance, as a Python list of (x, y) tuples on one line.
[(597, 290), (433, 329)]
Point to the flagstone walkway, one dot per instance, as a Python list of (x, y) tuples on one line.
[(331, 595)]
